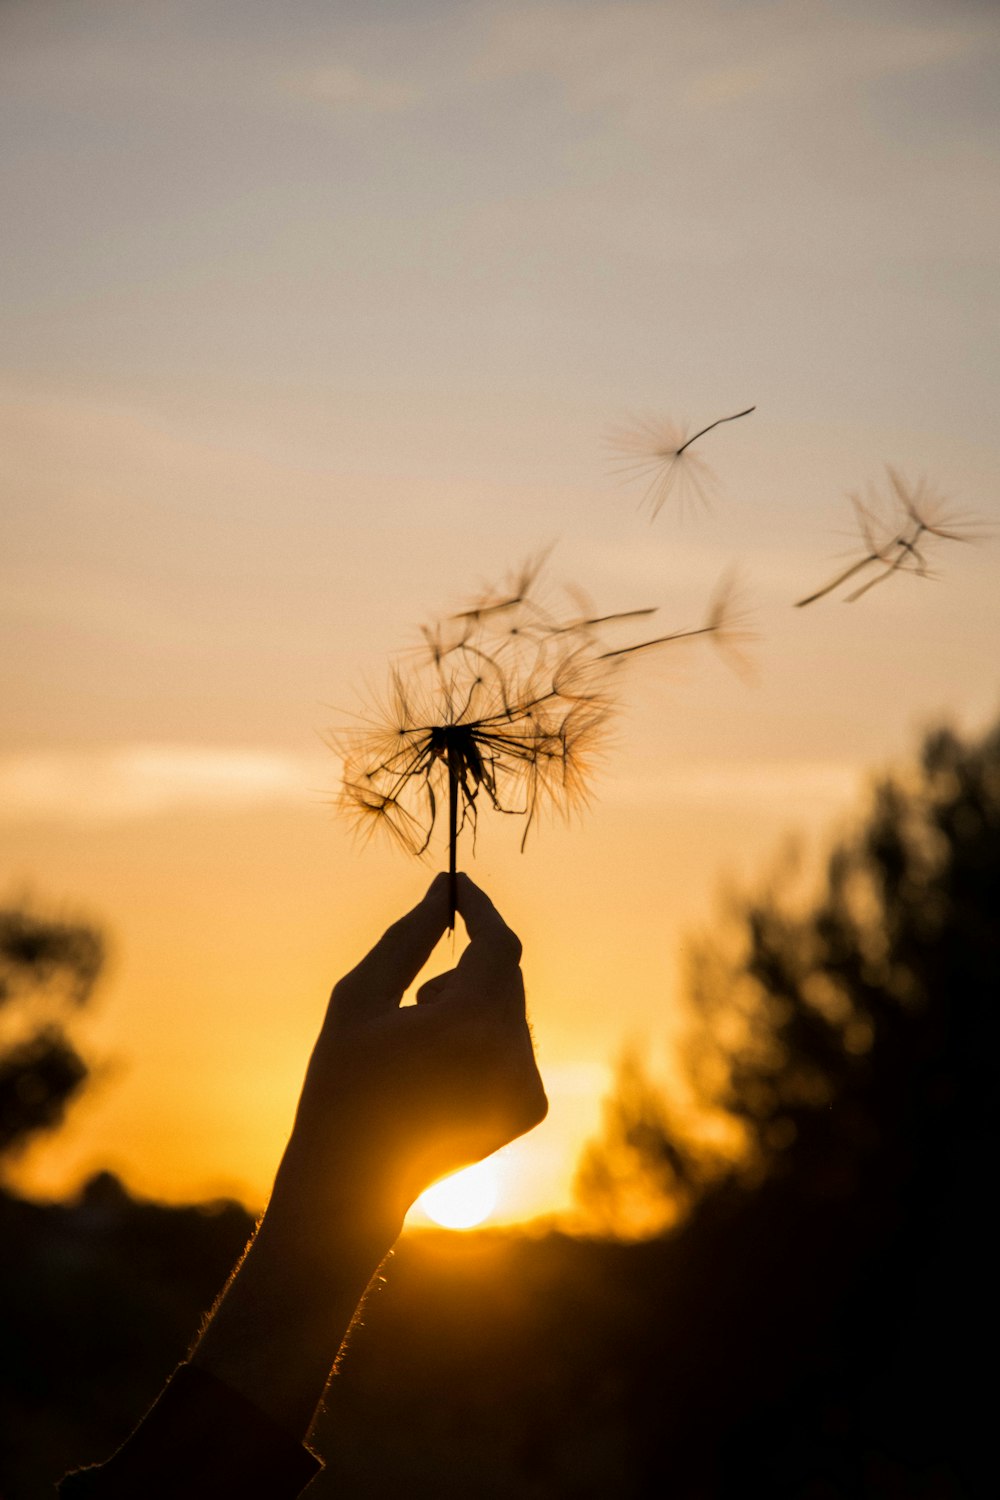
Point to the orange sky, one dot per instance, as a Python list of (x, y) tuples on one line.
[(310, 327)]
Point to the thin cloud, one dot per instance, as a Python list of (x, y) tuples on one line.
[(140, 781), (616, 56), (192, 58), (346, 89), (872, 49)]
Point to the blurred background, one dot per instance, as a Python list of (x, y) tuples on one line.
[(315, 322)]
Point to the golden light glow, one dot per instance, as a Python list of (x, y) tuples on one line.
[(237, 480), (465, 1198)]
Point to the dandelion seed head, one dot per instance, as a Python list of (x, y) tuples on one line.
[(650, 455), (370, 810), (728, 622), (897, 522), (660, 455), (508, 701)]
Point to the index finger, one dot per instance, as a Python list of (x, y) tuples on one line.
[(494, 950), (381, 978)]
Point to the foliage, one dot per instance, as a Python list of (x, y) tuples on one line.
[(857, 1030), (818, 1326), (48, 968), (40, 953), (644, 1171), (98, 1299)]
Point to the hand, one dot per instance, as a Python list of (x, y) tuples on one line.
[(396, 1096), (393, 1098)]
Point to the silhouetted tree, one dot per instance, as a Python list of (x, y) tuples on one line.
[(862, 1024), (644, 1171), (48, 969), (819, 1327)]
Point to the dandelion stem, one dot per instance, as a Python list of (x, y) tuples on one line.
[(717, 423), (452, 837), (828, 588)]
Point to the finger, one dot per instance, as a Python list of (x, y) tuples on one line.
[(435, 988), (380, 979), (489, 965), (482, 920)]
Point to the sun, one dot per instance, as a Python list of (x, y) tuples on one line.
[(465, 1198)]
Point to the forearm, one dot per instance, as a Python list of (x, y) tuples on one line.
[(232, 1420), (276, 1331)]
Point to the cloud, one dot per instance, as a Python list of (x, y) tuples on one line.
[(347, 89), (832, 57), (138, 781), (201, 59), (146, 780), (642, 60)]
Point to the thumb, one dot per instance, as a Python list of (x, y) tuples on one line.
[(436, 988)]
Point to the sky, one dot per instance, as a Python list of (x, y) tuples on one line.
[(315, 320)]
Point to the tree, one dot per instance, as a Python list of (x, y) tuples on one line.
[(855, 1030), (820, 1324), (48, 969), (646, 1170)]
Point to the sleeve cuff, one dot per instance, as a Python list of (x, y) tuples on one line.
[(203, 1440)]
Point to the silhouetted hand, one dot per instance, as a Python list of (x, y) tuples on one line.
[(397, 1096), (394, 1097)]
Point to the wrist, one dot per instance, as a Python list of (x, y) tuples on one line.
[(321, 1253), (312, 1222), (338, 1193)]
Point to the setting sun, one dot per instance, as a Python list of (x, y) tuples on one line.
[(464, 1199)]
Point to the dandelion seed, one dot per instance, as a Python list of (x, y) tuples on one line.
[(661, 455), (506, 704), (896, 528)]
